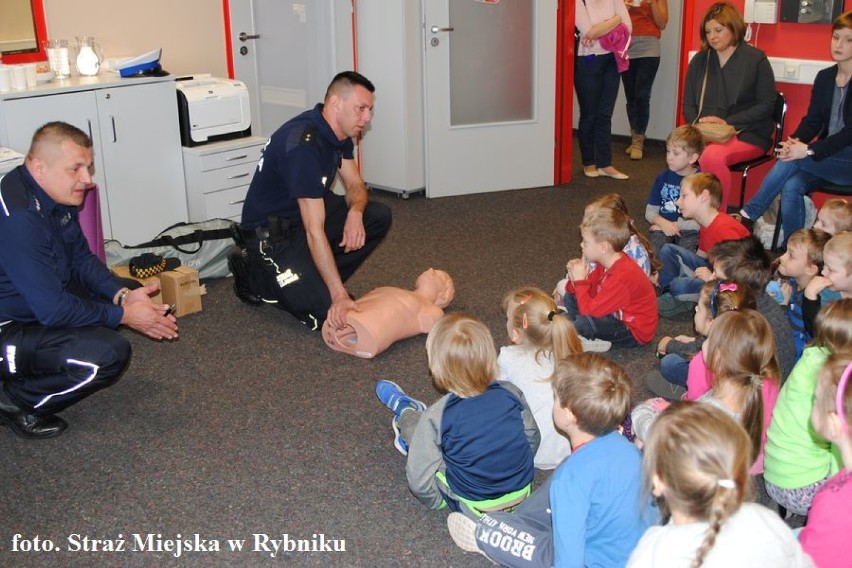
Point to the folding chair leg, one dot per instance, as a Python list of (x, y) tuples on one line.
[(743, 187), (777, 232)]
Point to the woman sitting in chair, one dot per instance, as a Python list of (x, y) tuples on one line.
[(738, 88), (804, 164)]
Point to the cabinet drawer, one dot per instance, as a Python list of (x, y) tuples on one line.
[(224, 178), (227, 203), (249, 155)]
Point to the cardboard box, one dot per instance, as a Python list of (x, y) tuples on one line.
[(124, 272), (182, 288)]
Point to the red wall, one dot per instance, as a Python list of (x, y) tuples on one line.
[(800, 41)]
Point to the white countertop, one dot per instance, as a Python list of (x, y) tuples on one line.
[(79, 83)]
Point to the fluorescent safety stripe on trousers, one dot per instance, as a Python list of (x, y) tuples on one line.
[(87, 380), (3, 203)]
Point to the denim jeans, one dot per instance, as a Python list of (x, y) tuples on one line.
[(687, 240), (607, 328), (637, 81), (676, 272), (596, 84), (795, 179), (675, 368)]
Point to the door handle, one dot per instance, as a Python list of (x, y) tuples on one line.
[(244, 36), (436, 29)]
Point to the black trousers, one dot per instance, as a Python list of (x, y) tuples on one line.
[(46, 370), (282, 270)]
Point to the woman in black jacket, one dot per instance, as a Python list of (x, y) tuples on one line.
[(820, 150), (739, 90)]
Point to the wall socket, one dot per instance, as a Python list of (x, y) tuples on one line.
[(760, 11)]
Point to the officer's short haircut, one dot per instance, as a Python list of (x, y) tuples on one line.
[(55, 133), (345, 80)]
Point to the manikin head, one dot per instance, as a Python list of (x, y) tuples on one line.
[(437, 286)]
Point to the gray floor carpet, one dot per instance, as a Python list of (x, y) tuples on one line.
[(249, 428)]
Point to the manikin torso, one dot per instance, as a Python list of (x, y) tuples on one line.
[(387, 314)]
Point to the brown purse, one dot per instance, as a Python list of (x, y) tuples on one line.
[(711, 132)]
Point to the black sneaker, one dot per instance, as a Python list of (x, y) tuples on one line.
[(238, 264), (744, 221)]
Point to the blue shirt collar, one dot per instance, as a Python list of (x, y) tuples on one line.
[(325, 128)]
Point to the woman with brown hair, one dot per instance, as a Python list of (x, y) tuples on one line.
[(729, 82), (820, 150)]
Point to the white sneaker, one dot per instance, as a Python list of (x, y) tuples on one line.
[(595, 345), (463, 531)]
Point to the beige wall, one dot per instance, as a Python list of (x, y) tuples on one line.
[(17, 20), (191, 32)]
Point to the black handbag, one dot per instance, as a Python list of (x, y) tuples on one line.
[(203, 246)]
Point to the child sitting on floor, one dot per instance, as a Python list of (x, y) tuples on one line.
[(798, 462), (589, 512), (683, 148), (615, 302), (836, 274), (681, 356), (747, 262), (472, 450), (699, 200), (826, 536), (638, 247), (540, 335), (799, 264), (834, 217), (696, 463), (742, 375)]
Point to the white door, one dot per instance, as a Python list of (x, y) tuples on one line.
[(489, 83), (288, 53)]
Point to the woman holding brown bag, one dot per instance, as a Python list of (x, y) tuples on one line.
[(729, 82)]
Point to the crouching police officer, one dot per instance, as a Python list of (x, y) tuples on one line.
[(59, 305), (303, 241)]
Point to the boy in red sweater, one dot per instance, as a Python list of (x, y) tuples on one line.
[(685, 272), (615, 302)]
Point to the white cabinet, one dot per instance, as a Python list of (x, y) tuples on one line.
[(218, 176), (136, 139), (390, 54)]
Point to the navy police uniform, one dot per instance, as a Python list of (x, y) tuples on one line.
[(57, 321), (301, 160)]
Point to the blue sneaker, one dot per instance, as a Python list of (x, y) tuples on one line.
[(398, 441), (395, 398)]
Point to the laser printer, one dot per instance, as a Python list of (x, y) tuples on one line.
[(212, 108)]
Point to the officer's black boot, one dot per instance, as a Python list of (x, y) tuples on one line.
[(28, 425), (238, 263)]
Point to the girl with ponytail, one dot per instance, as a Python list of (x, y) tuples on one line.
[(540, 334), (696, 463), (740, 357)]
